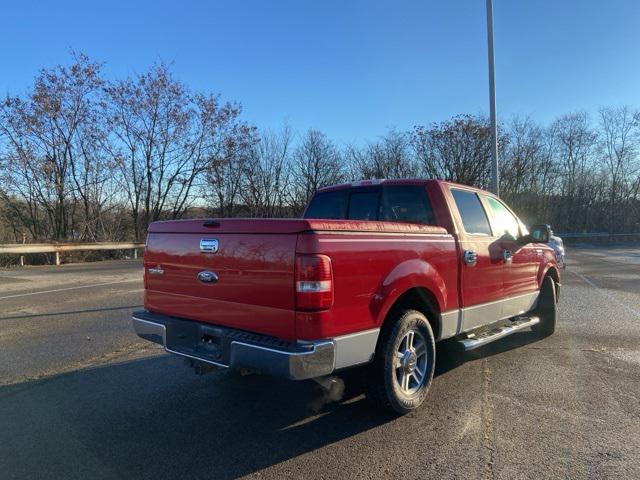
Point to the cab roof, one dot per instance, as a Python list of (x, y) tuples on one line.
[(402, 181)]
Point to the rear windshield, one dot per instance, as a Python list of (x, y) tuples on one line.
[(364, 205), (401, 203), (329, 205)]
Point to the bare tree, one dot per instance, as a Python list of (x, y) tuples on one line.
[(528, 172), (49, 139), (457, 150), (81, 158), (574, 141), (267, 174), (390, 157), (317, 163), (164, 139), (225, 171), (618, 148)]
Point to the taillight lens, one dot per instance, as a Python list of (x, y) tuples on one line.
[(314, 282)]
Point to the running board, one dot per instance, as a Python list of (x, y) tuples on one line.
[(475, 340)]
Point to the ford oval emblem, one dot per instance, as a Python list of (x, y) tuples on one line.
[(208, 277)]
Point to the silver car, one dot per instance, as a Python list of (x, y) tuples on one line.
[(555, 242)]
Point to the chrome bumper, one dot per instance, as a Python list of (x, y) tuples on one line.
[(296, 361)]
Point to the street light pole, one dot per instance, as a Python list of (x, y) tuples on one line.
[(492, 102)]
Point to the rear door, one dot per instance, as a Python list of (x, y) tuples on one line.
[(481, 274)]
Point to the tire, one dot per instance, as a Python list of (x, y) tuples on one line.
[(404, 362), (546, 309)]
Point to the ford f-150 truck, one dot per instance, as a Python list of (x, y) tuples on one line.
[(376, 273)]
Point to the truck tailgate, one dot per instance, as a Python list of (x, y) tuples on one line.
[(254, 290)]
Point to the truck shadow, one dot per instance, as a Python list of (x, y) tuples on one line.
[(152, 418), (450, 355), (72, 312)]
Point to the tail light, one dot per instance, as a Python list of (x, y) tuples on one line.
[(314, 282)]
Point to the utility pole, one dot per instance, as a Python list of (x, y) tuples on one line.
[(495, 176)]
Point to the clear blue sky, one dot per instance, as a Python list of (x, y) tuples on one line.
[(349, 68)]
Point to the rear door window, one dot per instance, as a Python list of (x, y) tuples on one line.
[(407, 204), (474, 218)]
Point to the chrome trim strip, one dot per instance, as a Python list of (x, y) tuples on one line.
[(314, 363), (145, 327), (502, 300), (356, 348), (482, 314), (520, 304), (449, 323), (288, 354)]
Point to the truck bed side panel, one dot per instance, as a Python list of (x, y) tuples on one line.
[(365, 268)]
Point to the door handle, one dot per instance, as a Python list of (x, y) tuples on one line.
[(507, 256), (470, 257)]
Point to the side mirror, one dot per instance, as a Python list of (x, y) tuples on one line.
[(539, 234)]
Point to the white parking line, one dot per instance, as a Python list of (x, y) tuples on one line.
[(606, 294), (67, 289)]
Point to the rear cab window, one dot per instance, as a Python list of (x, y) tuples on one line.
[(393, 203), (330, 205), (474, 218), (364, 205)]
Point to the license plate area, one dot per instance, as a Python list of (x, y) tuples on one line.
[(199, 340)]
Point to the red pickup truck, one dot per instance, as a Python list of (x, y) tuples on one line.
[(377, 272)]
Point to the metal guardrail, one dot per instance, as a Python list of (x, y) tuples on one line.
[(599, 237), (597, 234), (58, 248), (578, 235)]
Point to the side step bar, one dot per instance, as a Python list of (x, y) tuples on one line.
[(478, 339)]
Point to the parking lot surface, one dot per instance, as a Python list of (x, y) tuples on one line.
[(82, 397)]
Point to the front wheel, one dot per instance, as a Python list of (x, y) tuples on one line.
[(404, 362)]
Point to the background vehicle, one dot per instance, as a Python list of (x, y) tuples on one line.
[(556, 243), (376, 273)]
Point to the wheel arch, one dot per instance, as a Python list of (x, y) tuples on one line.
[(554, 273), (417, 298), (415, 284)]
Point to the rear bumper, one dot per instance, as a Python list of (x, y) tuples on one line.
[(235, 349)]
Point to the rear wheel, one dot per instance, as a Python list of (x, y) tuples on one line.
[(546, 308), (404, 363)]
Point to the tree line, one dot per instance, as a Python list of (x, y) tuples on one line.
[(83, 158)]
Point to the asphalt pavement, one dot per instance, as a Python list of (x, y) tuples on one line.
[(81, 396)]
